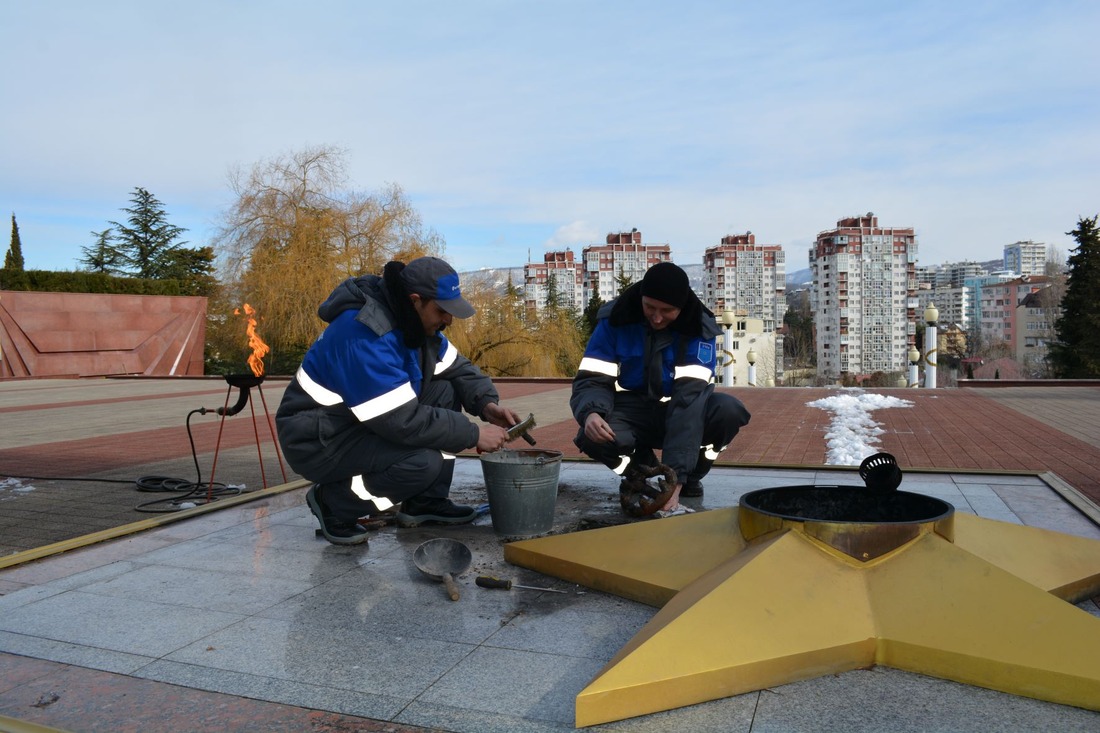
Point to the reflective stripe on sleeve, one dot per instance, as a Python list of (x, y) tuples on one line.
[(449, 357), (320, 395), (384, 403), (591, 364), (692, 371)]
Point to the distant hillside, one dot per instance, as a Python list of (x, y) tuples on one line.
[(799, 278), (497, 276)]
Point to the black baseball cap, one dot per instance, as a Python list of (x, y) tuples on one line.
[(431, 277)]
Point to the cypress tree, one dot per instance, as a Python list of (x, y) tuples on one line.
[(13, 260)]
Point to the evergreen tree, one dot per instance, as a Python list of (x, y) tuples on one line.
[(145, 244), (102, 256), (622, 280), (194, 268), (13, 260), (1076, 353), (554, 298), (591, 312)]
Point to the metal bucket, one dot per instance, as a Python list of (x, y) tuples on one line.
[(523, 489)]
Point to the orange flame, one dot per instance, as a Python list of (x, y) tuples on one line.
[(259, 348)]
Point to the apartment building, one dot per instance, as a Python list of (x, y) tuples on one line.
[(951, 302), (1035, 319), (975, 286), (623, 254), (999, 306), (1026, 258), (949, 274), (864, 296), (599, 270), (558, 272), (747, 278)]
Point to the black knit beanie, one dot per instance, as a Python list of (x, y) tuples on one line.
[(667, 283)]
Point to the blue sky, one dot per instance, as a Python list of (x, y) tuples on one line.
[(517, 127)]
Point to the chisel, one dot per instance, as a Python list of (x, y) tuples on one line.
[(487, 581)]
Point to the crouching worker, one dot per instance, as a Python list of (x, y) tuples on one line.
[(645, 383), (374, 414)]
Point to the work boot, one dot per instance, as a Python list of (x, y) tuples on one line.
[(333, 530), (418, 510), (692, 489)]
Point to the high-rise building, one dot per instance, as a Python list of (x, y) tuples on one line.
[(952, 303), (1026, 258), (974, 287), (999, 304), (600, 270), (557, 273), (622, 256), (864, 297), (747, 278)]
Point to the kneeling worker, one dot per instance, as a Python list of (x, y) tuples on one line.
[(645, 382), (374, 414)]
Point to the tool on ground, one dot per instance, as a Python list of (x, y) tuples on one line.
[(522, 429), (488, 581), (442, 559)]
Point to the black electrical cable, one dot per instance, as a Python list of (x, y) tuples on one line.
[(188, 492)]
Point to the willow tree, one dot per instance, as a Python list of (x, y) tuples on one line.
[(296, 230), (507, 339)]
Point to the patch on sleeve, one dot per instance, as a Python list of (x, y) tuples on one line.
[(705, 353)]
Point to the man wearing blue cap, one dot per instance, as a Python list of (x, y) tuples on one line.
[(645, 382), (374, 414)]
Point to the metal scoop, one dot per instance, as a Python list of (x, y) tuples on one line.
[(442, 559)]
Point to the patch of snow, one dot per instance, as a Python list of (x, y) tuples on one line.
[(853, 434)]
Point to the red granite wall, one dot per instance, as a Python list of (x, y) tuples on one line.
[(88, 334)]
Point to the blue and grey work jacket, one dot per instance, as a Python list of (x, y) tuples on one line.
[(673, 366)]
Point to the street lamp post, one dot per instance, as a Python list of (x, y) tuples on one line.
[(914, 360), (751, 358), (931, 316), (728, 319)]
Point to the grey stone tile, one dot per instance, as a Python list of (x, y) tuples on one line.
[(591, 625), (728, 715), (69, 653), (134, 626), (310, 651), (199, 589), (313, 565), (27, 595), (528, 685), (286, 692), (1004, 479), (1047, 509), (976, 491), (453, 718), (893, 701), (380, 600), (991, 507)]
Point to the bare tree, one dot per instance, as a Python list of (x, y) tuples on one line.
[(506, 339), (295, 231)]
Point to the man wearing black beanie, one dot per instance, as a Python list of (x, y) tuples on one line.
[(646, 383)]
